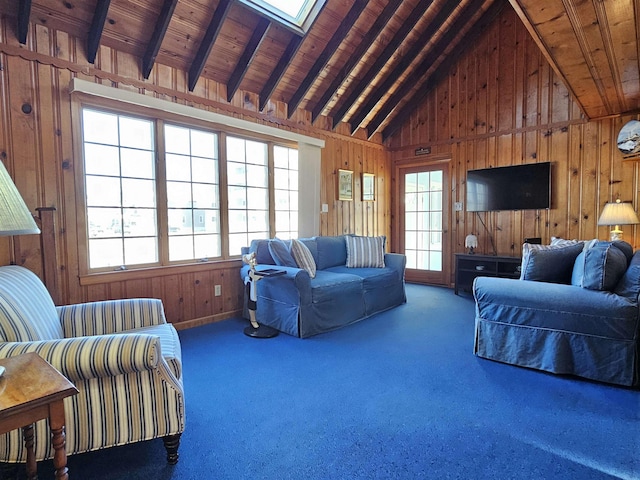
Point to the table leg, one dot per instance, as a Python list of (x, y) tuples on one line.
[(32, 468), (56, 423)]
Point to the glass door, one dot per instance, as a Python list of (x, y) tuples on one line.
[(423, 213)]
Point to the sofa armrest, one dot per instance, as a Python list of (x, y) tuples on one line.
[(397, 261), (111, 316), (83, 358), (294, 287)]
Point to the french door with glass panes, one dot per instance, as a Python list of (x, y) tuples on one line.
[(423, 224)]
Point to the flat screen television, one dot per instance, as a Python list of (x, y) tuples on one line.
[(517, 187)]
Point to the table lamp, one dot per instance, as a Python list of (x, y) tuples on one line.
[(618, 213), (15, 217), (471, 242)]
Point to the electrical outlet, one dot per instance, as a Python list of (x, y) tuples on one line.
[(457, 206), (218, 290)]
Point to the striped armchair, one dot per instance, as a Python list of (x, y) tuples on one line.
[(122, 355)]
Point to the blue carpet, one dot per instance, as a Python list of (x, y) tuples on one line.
[(399, 395)]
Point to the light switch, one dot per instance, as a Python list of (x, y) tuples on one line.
[(325, 208)]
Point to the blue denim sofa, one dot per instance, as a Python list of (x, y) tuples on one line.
[(562, 328), (302, 306)]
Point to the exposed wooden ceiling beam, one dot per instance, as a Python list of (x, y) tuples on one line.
[(322, 60), (367, 40), (407, 59), (24, 11), (159, 32), (441, 72), (344, 105), (278, 72), (283, 64), (259, 34), (207, 42), (97, 26)]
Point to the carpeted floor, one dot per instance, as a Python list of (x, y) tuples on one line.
[(397, 396)]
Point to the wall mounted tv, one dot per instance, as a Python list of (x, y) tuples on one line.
[(517, 187)]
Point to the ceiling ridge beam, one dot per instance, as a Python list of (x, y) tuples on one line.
[(443, 69), (418, 46), (213, 30), (343, 30), (159, 32), (22, 28), (97, 26), (259, 34), (415, 15), (354, 59)]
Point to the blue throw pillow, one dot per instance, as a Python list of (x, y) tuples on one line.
[(261, 248), (599, 267), (549, 264), (281, 254), (629, 284)]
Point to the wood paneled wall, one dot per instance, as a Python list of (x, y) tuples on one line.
[(36, 144), (503, 105)]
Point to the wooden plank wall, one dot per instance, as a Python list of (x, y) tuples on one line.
[(502, 104), (36, 144)]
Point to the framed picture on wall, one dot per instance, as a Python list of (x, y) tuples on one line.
[(368, 187), (345, 185)]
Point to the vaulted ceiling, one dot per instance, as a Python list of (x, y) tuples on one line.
[(367, 63)]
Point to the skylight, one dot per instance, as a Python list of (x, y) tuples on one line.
[(297, 15)]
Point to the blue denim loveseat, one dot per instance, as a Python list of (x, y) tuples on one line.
[(302, 306), (586, 324)]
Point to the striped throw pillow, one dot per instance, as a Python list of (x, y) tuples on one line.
[(365, 252), (302, 255)]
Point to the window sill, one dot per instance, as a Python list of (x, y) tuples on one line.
[(151, 272)]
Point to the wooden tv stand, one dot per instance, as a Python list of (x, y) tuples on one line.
[(468, 267)]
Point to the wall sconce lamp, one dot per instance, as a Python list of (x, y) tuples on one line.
[(618, 213), (15, 217), (471, 242)]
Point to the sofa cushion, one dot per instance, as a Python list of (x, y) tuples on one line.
[(549, 263), (332, 251), (365, 252), (599, 267), (302, 256), (280, 251)]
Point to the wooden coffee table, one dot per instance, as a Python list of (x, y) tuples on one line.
[(31, 390)]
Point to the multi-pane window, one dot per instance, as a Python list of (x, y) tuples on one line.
[(423, 220), (153, 191), (120, 189), (285, 179), (193, 204), (248, 192)]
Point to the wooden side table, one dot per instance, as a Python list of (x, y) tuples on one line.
[(31, 390)]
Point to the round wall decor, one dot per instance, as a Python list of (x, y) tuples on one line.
[(629, 139)]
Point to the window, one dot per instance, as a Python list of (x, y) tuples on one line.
[(285, 176), (193, 201), (297, 15), (120, 189), (248, 180), (153, 191)]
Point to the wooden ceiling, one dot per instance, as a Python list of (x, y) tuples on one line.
[(594, 45), (367, 63)]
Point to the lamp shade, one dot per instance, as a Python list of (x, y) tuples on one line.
[(618, 213), (471, 241), (15, 217)]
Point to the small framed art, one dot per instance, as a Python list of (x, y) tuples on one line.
[(368, 187), (345, 185)]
